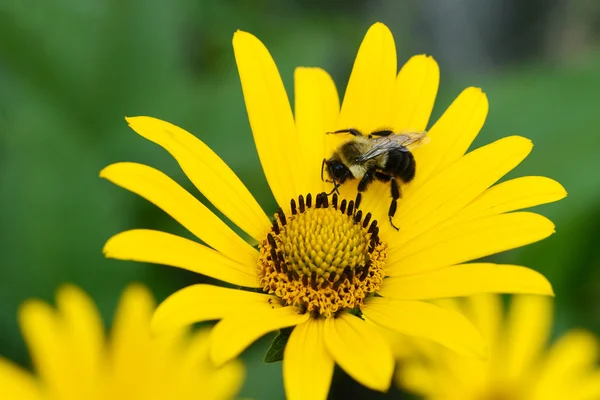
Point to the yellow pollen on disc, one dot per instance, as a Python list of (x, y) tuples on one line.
[(324, 257)]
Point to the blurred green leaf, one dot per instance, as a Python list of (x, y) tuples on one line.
[(275, 352)]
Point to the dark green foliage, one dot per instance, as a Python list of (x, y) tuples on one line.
[(275, 352)]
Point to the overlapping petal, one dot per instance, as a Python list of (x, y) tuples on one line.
[(307, 366), (164, 248), (527, 332), (468, 241), (208, 172), (466, 280), (204, 302), (451, 190), (368, 98), (424, 320), (166, 194), (486, 313), (450, 136), (414, 94), (316, 112), (270, 117), (512, 195), (83, 332), (41, 328), (360, 350), (234, 333)]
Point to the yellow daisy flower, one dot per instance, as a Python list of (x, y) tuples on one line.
[(321, 261), (519, 366), (74, 360)]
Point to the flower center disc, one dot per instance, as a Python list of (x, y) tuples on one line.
[(323, 258)]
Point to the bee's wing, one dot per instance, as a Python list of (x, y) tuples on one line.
[(385, 144)]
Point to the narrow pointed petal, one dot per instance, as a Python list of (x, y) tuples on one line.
[(360, 350), (166, 194), (466, 280), (414, 93), (451, 135), (528, 328), (41, 328), (487, 314), (307, 366), (164, 248), (211, 175), (202, 302), (270, 117), (469, 241), (130, 333), (512, 195), (370, 90), (237, 331), (317, 108), (84, 331), (451, 190), (427, 321)]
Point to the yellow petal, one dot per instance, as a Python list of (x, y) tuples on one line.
[(360, 350), (466, 280), (512, 195), (163, 248), (317, 106), (468, 241), (307, 366), (527, 330), (43, 334), (198, 303), (427, 321), (458, 185), (451, 135), (368, 98), (213, 178), (16, 383), (166, 194), (572, 357), (414, 93), (270, 117), (485, 311), (417, 378), (84, 333), (586, 388), (130, 333), (237, 331)]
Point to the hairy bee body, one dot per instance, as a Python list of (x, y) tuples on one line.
[(349, 152), (382, 156)]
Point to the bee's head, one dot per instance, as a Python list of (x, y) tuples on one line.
[(337, 171)]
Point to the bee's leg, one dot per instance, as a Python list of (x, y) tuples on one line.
[(352, 131), (394, 205), (367, 178), (383, 132)]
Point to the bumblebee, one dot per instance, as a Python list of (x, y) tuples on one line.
[(382, 155)]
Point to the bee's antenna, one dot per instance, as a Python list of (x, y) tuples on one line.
[(323, 167), (335, 189)]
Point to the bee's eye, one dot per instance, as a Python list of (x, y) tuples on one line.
[(339, 172)]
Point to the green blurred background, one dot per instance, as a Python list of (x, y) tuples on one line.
[(70, 70)]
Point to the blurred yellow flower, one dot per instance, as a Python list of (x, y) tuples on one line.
[(321, 260), (519, 367), (74, 360)]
